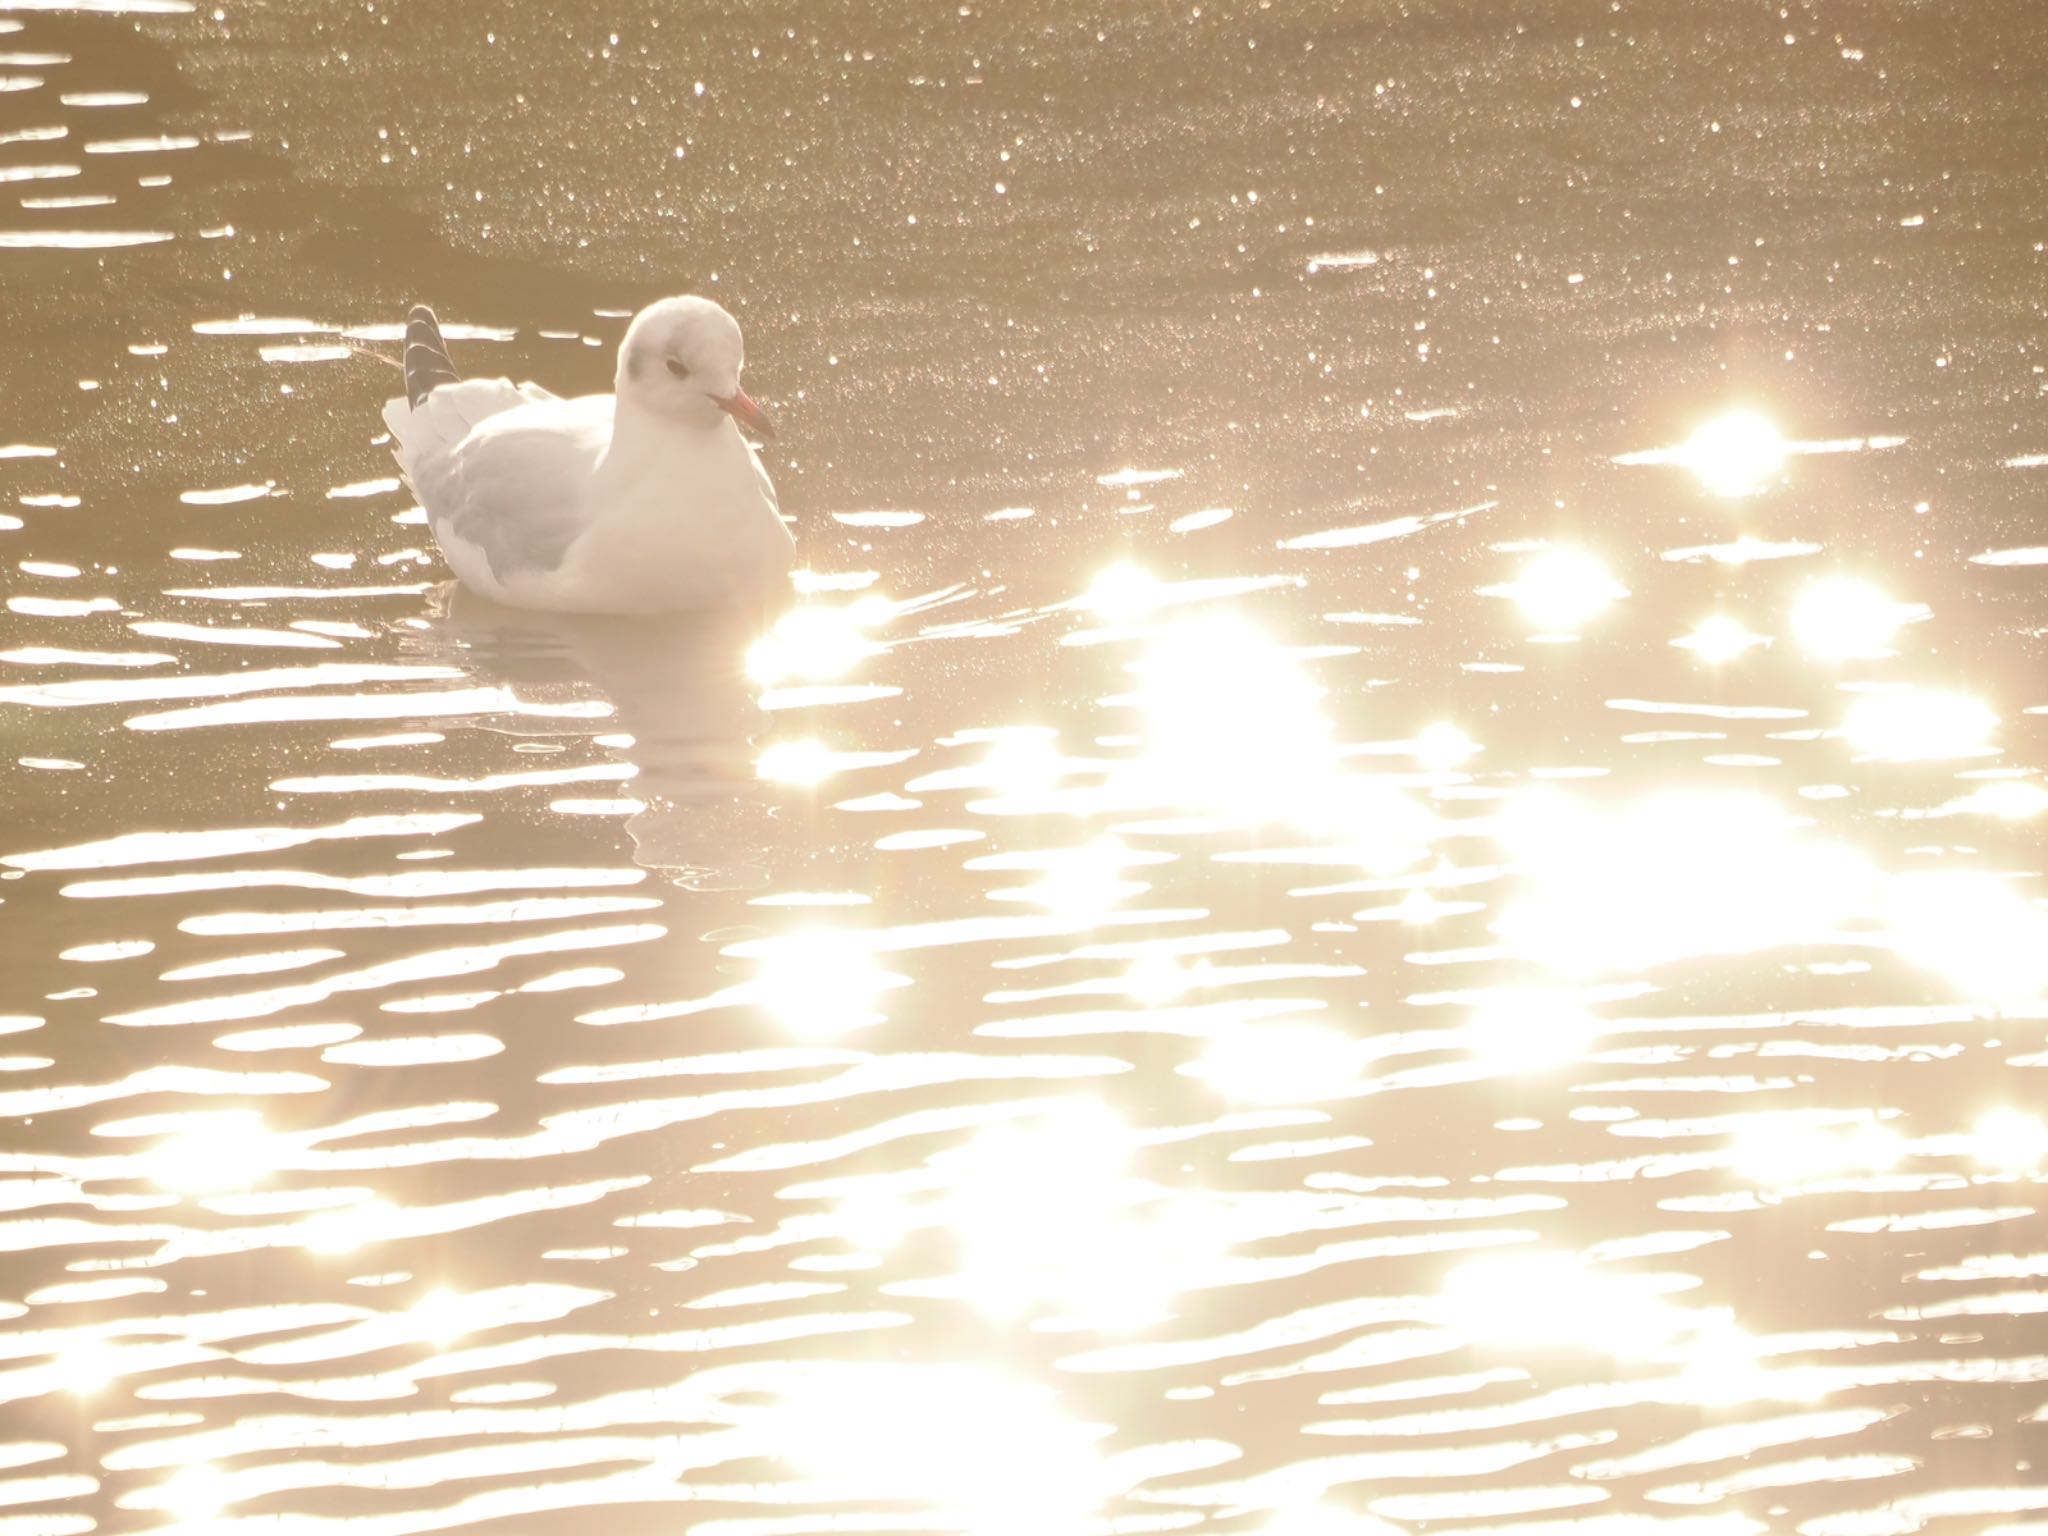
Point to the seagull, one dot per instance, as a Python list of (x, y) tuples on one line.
[(647, 500)]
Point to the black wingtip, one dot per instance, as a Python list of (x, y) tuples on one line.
[(427, 363)]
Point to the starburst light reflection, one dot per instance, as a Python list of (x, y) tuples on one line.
[(2011, 1138), (1973, 927), (225, 1149), (820, 983), (795, 762), (1443, 745), (1124, 594), (1720, 638), (1562, 590), (1686, 872), (1738, 453), (194, 1495), (1233, 726), (817, 642), (1232, 722), (1047, 1213), (1845, 619)]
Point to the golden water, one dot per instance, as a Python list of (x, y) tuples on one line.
[(1388, 878)]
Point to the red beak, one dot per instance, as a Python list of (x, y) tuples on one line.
[(743, 410)]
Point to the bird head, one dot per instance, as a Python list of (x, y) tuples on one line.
[(682, 358)]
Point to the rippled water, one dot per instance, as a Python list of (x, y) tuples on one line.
[(1388, 878)]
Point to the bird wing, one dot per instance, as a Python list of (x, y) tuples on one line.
[(446, 414), (516, 484), (502, 469)]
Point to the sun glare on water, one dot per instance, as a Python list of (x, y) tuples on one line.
[(820, 983), (1978, 930), (194, 1495), (1720, 638), (1846, 619), (795, 762), (987, 1453), (1562, 590), (817, 641), (1686, 872), (224, 1150), (1048, 1213), (1325, 1520), (1530, 1028), (1279, 1062), (345, 1230), (1123, 594), (1779, 1151), (2010, 1138), (1737, 454), (1556, 1300), (1443, 745), (2008, 799), (1919, 725)]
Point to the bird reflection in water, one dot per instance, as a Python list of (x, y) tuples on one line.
[(681, 713)]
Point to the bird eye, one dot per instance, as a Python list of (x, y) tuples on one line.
[(679, 369)]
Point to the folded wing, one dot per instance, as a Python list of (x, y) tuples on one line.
[(503, 471)]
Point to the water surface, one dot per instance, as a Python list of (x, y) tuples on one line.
[(1388, 878)]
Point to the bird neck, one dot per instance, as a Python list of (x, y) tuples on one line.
[(643, 439)]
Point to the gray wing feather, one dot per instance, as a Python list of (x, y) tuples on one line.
[(517, 487), (427, 363)]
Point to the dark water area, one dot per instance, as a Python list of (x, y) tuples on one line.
[(1389, 878)]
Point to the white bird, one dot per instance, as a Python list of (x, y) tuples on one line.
[(648, 500)]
